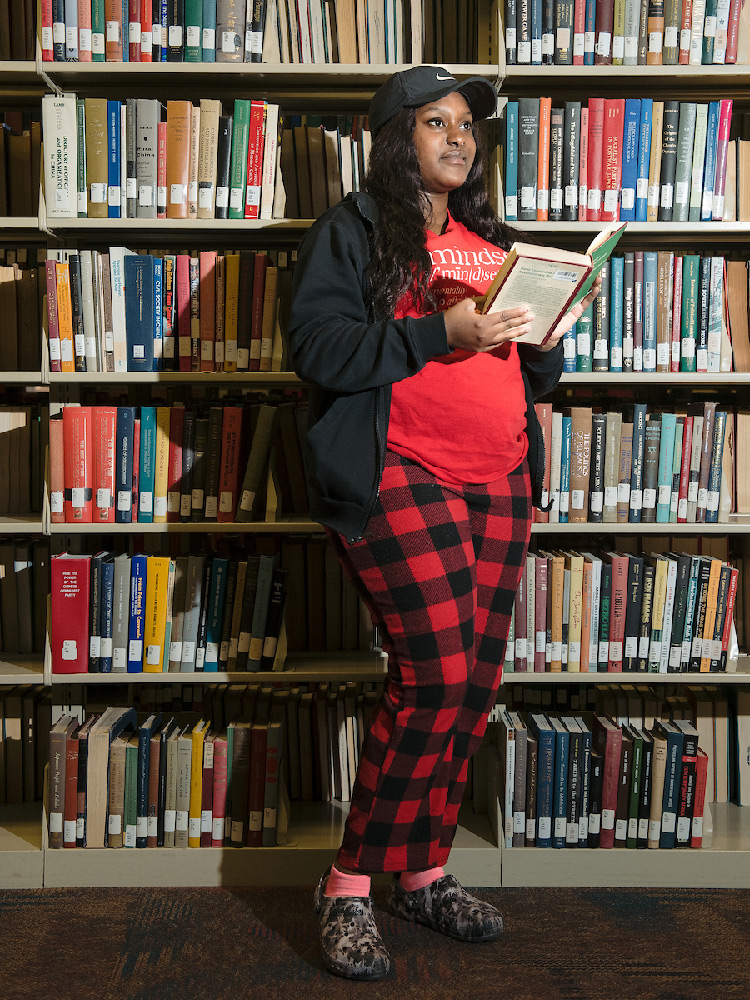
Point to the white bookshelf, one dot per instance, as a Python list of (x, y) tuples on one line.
[(21, 855), (30, 525), (244, 379), (21, 668), (191, 527)]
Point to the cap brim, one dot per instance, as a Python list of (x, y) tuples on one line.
[(479, 93)]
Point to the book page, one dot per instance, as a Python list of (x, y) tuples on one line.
[(547, 287)]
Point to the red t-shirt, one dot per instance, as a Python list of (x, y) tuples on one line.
[(463, 416)]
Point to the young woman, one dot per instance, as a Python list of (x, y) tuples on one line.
[(424, 459)]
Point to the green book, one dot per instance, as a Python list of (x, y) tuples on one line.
[(689, 315), (193, 30), (636, 760), (130, 814), (81, 172), (98, 48), (238, 164), (584, 336)]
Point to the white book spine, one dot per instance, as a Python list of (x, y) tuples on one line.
[(666, 628), (59, 129)]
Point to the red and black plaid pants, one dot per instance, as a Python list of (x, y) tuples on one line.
[(438, 569)]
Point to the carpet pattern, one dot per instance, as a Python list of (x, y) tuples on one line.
[(232, 944)]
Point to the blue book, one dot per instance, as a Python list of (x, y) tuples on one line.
[(158, 342), (541, 730), (125, 31), (567, 433), (71, 30), (644, 156), (106, 612), (124, 432), (636, 475), (589, 27), (215, 613), (164, 29), (672, 776), (146, 465), (616, 292), (511, 161), (714, 475), (208, 40), (687, 632), (631, 129), (113, 157), (139, 312), (145, 731), (650, 286), (666, 455), (569, 349), (138, 566), (58, 30), (709, 163), (560, 783)]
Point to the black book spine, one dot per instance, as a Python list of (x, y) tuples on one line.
[(246, 615), (200, 642), (548, 31), (83, 757), (573, 803), (699, 614), (510, 33), (563, 20), (571, 155), (256, 30), (557, 120), (523, 31), (628, 312), (188, 457), (528, 150), (156, 57), (76, 296), (95, 613), (721, 611), (644, 798), (652, 439), (595, 799), (644, 633), (678, 614), (686, 794), (274, 618), (598, 445), (226, 623), (605, 614), (623, 792), (223, 163), (633, 601), (200, 460), (668, 159)]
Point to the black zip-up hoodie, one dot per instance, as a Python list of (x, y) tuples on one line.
[(351, 358)]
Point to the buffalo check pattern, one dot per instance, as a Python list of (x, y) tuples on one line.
[(438, 568)]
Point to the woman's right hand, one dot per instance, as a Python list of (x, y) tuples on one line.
[(470, 330)]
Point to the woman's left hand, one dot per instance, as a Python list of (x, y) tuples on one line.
[(570, 318)]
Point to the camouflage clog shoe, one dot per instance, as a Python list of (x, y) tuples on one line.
[(446, 907), (349, 937)]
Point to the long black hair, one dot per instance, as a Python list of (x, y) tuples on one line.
[(399, 261)]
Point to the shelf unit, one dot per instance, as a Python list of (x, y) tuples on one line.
[(315, 830)]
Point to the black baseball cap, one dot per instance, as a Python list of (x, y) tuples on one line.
[(421, 84)]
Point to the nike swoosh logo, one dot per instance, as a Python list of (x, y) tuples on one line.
[(444, 77)]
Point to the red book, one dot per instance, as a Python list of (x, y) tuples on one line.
[(542, 176), (146, 28), (676, 313), (544, 415), (733, 30), (520, 625), (614, 116), (607, 738), (136, 470), (579, 24), (84, 30), (594, 167), (53, 327), (79, 466), (256, 329), (605, 21), (161, 173), (207, 791), (256, 786), (583, 160), (56, 472), (219, 799), (135, 14), (685, 32), (105, 424), (182, 288), (69, 613), (152, 807), (114, 39), (231, 435), (207, 263), (682, 496), (174, 475), (48, 54), (70, 813), (699, 802), (617, 610), (255, 141), (540, 613)]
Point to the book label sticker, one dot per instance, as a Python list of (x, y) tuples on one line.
[(145, 502), (649, 499), (608, 819), (194, 826), (135, 650), (217, 828), (84, 42), (615, 652), (188, 651), (631, 646), (78, 496), (146, 42), (152, 826), (623, 492), (119, 660), (668, 821), (170, 817), (175, 652), (576, 499), (69, 831), (510, 38), (177, 194), (193, 35), (697, 826), (206, 821), (98, 193), (153, 655), (633, 827), (94, 644), (141, 826), (212, 652), (174, 35), (597, 500), (603, 651), (113, 196), (113, 32), (56, 501), (124, 500), (209, 38), (618, 47), (181, 819), (603, 43), (146, 195), (156, 35), (665, 494), (105, 646), (160, 506), (595, 823), (524, 52), (655, 41), (228, 41), (683, 829), (114, 824), (226, 505), (560, 826)]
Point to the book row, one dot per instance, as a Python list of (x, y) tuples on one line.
[(18, 30), (659, 613), (634, 159), (21, 302), (664, 312), (20, 161), (622, 33), (23, 442), (583, 781), (164, 464), (121, 311), (603, 467), (24, 587), (126, 614)]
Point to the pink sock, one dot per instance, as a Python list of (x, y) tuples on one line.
[(411, 881), (343, 884)]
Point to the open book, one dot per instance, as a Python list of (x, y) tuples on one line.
[(549, 280)]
